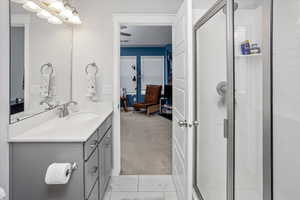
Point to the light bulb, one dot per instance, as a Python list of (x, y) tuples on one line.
[(54, 20), (31, 6), (75, 19), (48, 1), (19, 1), (66, 13), (44, 14), (57, 6)]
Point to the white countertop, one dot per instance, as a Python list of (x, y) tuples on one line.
[(77, 127)]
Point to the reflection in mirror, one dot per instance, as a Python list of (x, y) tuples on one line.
[(40, 64)]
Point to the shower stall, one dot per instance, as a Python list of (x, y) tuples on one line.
[(247, 99)]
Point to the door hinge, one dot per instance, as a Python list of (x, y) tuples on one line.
[(194, 124), (184, 123)]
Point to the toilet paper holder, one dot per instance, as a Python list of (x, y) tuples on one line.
[(74, 166)]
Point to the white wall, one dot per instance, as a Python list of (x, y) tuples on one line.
[(4, 93), (93, 40), (286, 99)]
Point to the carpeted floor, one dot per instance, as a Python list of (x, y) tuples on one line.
[(145, 144)]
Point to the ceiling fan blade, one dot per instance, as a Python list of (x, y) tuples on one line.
[(124, 40), (123, 27), (125, 34)]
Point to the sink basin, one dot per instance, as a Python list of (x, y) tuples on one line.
[(81, 117)]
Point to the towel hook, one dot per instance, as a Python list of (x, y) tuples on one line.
[(45, 67), (91, 65)]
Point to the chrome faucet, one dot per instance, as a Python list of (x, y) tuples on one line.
[(64, 109)]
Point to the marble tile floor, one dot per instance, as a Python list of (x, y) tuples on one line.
[(141, 187)]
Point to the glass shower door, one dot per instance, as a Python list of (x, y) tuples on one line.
[(248, 26), (211, 82)]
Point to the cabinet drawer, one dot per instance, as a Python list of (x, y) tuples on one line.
[(91, 173), (104, 127), (95, 192), (90, 145)]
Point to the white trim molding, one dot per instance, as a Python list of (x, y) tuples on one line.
[(136, 20), (4, 93), (24, 21)]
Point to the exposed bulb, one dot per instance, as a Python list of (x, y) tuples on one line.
[(57, 6), (66, 13), (75, 19), (19, 1), (44, 14), (48, 1), (54, 20), (31, 6)]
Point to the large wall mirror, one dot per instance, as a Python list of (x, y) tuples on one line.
[(41, 63)]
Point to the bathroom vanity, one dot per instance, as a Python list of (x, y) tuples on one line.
[(83, 138)]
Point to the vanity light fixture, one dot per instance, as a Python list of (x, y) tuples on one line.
[(57, 6), (44, 14), (75, 19), (54, 20), (31, 6), (19, 1), (55, 11), (48, 1), (67, 12)]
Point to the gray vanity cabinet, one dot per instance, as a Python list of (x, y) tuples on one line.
[(105, 162), (29, 162)]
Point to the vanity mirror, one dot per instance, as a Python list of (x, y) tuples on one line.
[(40, 62)]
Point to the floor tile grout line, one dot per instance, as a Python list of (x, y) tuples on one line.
[(138, 183)]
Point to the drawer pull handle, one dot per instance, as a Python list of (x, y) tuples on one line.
[(94, 144), (94, 170)]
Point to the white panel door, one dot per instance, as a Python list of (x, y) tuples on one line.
[(127, 72), (152, 71), (182, 94)]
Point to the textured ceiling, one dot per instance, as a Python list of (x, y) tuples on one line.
[(149, 36)]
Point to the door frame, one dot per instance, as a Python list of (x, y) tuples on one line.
[(132, 19), (215, 9), (21, 20), (267, 48)]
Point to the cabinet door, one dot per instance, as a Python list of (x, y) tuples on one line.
[(108, 155), (102, 169), (94, 194), (91, 172)]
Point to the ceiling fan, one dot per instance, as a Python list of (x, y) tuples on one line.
[(124, 33)]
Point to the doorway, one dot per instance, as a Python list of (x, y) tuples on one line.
[(182, 146), (146, 99)]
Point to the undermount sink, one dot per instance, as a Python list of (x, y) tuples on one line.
[(82, 117)]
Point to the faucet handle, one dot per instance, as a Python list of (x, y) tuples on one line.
[(60, 111), (72, 106)]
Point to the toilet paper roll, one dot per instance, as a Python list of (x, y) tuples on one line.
[(58, 173), (2, 194)]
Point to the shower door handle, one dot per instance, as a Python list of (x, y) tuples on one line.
[(226, 128)]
